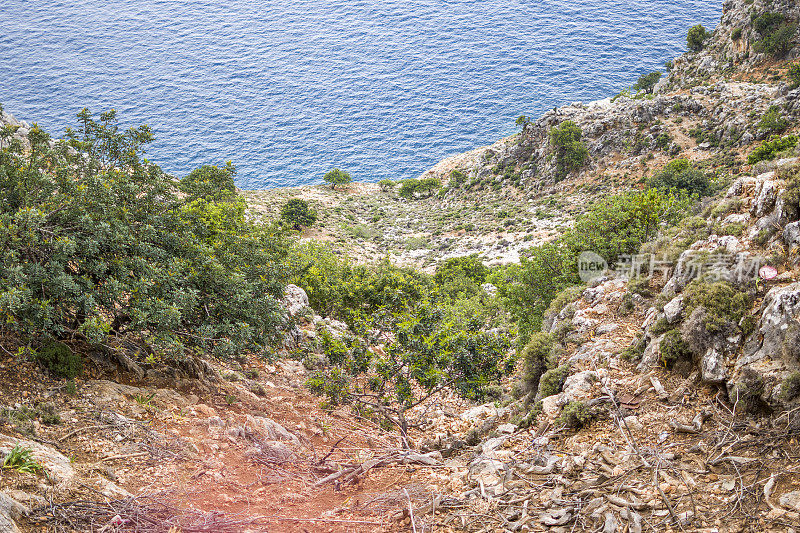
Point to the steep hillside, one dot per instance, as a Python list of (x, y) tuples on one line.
[(505, 380)]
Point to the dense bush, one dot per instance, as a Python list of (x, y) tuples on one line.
[(794, 74), (570, 152), (98, 241), (297, 213), (386, 185), (773, 121), (575, 415), (536, 359), (680, 174), (552, 381), (776, 34), (337, 177), (770, 149), (467, 266), (647, 82), (419, 188), (673, 348), (59, 359), (697, 37)]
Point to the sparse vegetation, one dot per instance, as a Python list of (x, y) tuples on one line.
[(21, 459)]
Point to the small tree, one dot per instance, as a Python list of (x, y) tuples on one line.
[(680, 174), (522, 121), (571, 153), (210, 182), (696, 37), (337, 177), (298, 214), (647, 82), (386, 185)]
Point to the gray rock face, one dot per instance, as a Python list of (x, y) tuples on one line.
[(10, 511), (712, 366), (767, 195), (791, 234), (58, 467), (780, 312), (295, 299), (651, 355), (673, 309), (270, 429)]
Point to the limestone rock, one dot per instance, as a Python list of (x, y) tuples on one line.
[(673, 309), (58, 467), (295, 299), (270, 429)]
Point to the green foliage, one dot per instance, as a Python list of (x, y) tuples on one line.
[(792, 193), (723, 303), (570, 152), (457, 178), (536, 359), (552, 381), (647, 82), (680, 174), (673, 349), (794, 74), (522, 121), (297, 213), (21, 459), (736, 34), (58, 358), (776, 34), (337, 177), (414, 188), (611, 227), (696, 37), (210, 183), (773, 121), (97, 241), (456, 268), (770, 149), (790, 388), (386, 185), (575, 415), (333, 384)]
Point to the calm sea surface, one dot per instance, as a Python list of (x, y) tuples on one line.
[(289, 89)]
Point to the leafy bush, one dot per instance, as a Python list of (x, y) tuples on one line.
[(770, 149), (414, 188), (536, 358), (386, 185), (297, 213), (790, 388), (794, 74), (680, 174), (696, 37), (552, 381), (455, 268), (59, 359), (337, 177), (673, 349), (647, 82), (773, 121), (570, 152), (97, 242), (575, 415), (776, 34), (736, 34), (210, 183), (722, 302)]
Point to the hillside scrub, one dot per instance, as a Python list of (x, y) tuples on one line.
[(98, 242)]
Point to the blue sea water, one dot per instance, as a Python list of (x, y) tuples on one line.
[(290, 89)]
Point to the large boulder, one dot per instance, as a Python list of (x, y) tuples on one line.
[(295, 299), (779, 316)]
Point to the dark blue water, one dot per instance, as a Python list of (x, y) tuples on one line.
[(289, 89)]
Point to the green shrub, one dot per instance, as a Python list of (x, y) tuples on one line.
[(298, 214), (456, 268), (640, 286), (680, 174), (570, 152), (776, 34), (794, 74), (209, 182), (647, 82), (332, 383), (536, 359), (770, 149), (337, 177), (575, 415), (773, 121), (673, 349), (736, 34), (414, 188), (790, 388), (21, 459), (723, 303), (552, 381), (696, 37), (58, 358)]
